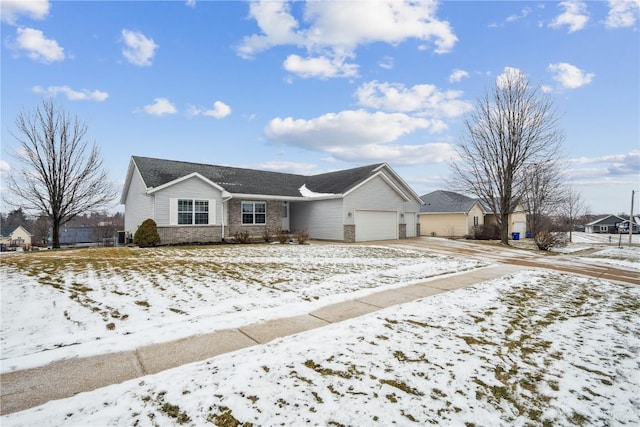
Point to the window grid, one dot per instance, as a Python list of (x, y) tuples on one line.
[(193, 212), (254, 213)]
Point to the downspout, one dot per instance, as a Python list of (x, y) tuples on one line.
[(225, 198)]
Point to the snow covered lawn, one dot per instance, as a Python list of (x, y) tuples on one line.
[(538, 348), (60, 304), (625, 257)]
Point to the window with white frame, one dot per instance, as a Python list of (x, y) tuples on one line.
[(475, 221), (193, 211), (254, 213), (604, 228)]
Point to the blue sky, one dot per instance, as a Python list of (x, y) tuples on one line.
[(310, 87)]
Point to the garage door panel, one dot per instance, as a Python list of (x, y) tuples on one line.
[(376, 225)]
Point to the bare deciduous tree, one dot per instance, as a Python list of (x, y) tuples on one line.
[(61, 174), (544, 191), (512, 126), (572, 207)]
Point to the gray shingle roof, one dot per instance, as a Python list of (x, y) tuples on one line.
[(157, 172), (446, 201)]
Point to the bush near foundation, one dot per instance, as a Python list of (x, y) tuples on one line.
[(147, 234)]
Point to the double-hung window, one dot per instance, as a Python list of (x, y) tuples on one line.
[(193, 211), (254, 213)]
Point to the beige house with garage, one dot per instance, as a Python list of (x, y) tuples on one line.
[(450, 214)]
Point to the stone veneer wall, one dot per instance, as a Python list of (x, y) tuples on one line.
[(274, 220), (349, 233), (402, 231), (173, 235)]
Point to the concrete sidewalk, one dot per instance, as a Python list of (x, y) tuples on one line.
[(32, 387)]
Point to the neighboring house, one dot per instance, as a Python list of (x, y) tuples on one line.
[(607, 224), (14, 236), (193, 202), (450, 214), (517, 220), (623, 227), (76, 235)]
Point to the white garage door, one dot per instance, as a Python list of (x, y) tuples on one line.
[(410, 220), (519, 227), (376, 225)]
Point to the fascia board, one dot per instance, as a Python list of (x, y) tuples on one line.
[(401, 181), (127, 182)]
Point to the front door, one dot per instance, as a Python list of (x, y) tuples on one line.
[(285, 216)]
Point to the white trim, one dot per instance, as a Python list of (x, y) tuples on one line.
[(283, 198), (173, 211)]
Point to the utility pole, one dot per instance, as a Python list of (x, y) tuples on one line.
[(631, 220)]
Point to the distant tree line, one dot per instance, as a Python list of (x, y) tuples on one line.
[(104, 224)]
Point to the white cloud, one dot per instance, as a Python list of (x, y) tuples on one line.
[(5, 168), (334, 30), (457, 75), (321, 67), (219, 111), (569, 76), (351, 127), (387, 63), (523, 14), (10, 10), (614, 164), (288, 167), (160, 107), (358, 136), (510, 74), (422, 99), (574, 16), (277, 25), (139, 49), (622, 13), (72, 95), (37, 46), (190, 3)]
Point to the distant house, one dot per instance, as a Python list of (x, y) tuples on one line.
[(607, 224), (71, 236), (14, 237), (194, 202), (623, 227), (450, 214)]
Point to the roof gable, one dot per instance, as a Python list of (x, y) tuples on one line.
[(609, 219), (447, 202)]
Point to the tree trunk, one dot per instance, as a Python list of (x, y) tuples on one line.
[(504, 229), (55, 234)]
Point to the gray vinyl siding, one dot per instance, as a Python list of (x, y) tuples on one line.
[(138, 205), (377, 195), (322, 219), (192, 188)]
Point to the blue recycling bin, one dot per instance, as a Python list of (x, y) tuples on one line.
[(516, 236), (528, 234)]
